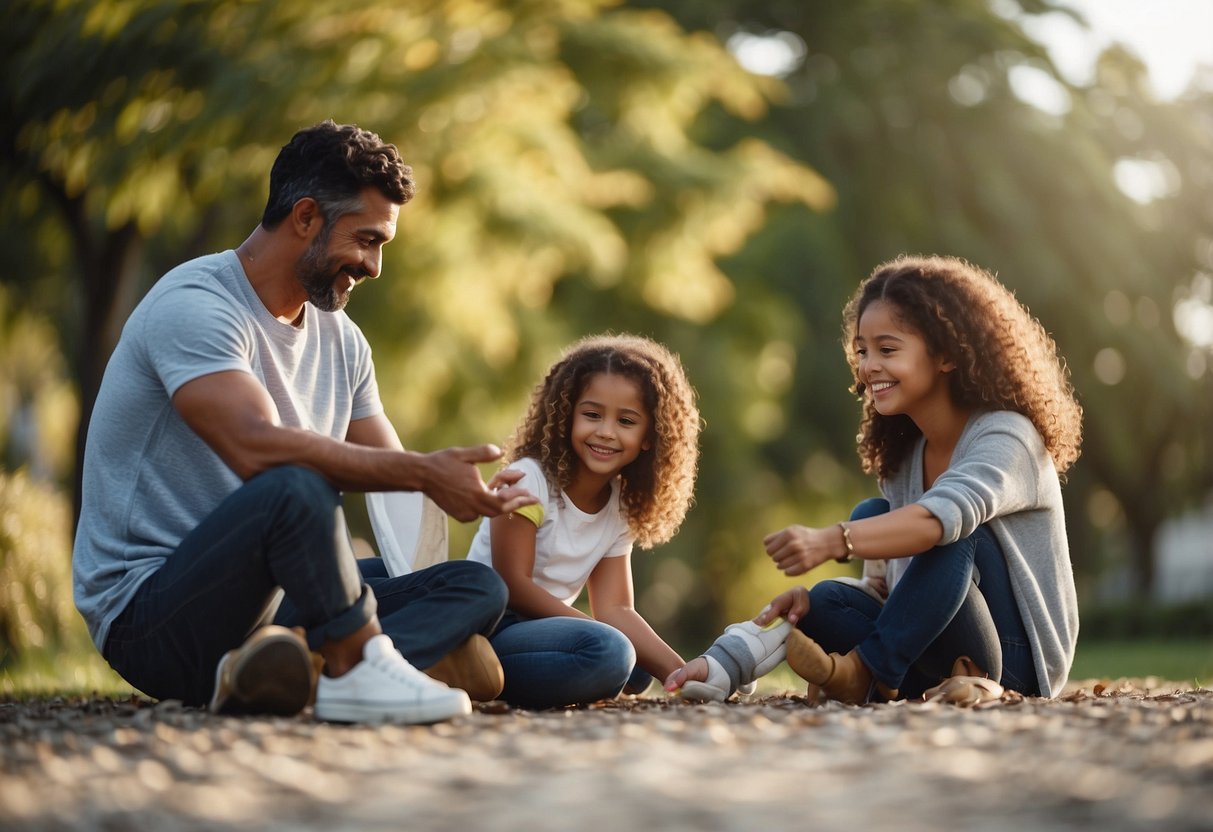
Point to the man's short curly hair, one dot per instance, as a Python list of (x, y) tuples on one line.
[(656, 488), (1005, 360), (333, 164)]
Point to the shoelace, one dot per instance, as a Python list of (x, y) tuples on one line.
[(398, 669)]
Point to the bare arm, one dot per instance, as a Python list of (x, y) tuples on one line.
[(513, 542), (374, 432), (611, 600), (898, 534), (236, 417)]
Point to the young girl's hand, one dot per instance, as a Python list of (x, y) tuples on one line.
[(791, 605), (797, 549), (696, 670)]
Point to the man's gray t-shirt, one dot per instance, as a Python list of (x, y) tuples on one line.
[(149, 480)]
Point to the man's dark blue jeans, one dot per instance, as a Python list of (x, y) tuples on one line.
[(953, 600), (283, 529)]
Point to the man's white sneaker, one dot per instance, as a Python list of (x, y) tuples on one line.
[(383, 687)]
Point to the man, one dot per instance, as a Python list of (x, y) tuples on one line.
[(239, 402)]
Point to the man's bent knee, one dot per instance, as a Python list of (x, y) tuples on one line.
[(298, 485)]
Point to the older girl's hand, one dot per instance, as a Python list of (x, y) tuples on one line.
[(791, 605), (797, 549)]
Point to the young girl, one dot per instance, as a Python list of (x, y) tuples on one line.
[(968, 421), (609, 447)]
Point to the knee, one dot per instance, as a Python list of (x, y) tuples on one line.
[(826, 595), (612, 653), (481, 581), (293, 500), (297, 487), (871, 507)]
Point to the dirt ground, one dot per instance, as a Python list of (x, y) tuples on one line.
[(1130, 755)]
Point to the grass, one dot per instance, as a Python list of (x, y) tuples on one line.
[(1177, 660), (85, 673), (42, 674)]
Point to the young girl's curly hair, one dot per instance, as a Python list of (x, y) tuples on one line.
[(656, 488), (1004, 358)]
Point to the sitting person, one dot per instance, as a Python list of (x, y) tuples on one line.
[(610, 446), (238, 404), (968, 422)]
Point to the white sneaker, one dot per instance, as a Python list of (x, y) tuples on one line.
[(715, 688), (766, 644), (755, 650), (383, 687)]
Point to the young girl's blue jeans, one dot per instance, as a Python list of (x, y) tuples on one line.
[(953, 600), (558, 661)]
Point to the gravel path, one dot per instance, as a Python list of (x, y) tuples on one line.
[(1130, 757)]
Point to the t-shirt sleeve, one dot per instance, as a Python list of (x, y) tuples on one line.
[(192, 332), (622, 544), (534, 481)]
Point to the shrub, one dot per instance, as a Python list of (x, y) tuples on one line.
[(36, 609), (1130, 620)]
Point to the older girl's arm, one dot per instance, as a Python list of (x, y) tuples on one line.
[(901, 533)]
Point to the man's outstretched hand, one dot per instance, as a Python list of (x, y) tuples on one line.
[(453, 482)]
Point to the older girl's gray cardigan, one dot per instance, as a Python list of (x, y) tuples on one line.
[(1002, 476)]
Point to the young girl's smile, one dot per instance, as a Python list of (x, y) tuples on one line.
[(898, 370), (610, 424)]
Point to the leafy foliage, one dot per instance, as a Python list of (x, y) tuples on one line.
[(913, 113), (36, 608), (587, 165)]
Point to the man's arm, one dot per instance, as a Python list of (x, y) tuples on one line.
[(236, 417), (374, 432)]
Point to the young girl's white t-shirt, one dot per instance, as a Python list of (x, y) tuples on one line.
[(569, 543)]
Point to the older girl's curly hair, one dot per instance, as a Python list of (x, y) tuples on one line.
[(656, 488), (1004, 358)]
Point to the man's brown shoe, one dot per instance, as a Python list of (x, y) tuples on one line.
[(271, 673), (472, 667)]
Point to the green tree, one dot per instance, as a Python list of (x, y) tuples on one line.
[(551, 139), (565, 184), (913, 112)]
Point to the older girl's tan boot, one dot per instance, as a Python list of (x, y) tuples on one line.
[(844, 678)]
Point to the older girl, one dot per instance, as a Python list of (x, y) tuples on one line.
[(968, 422)]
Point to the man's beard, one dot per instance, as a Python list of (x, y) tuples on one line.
[(318, 276)]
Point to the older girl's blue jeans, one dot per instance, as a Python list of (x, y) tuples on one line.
[(558, 661), (953, 600)]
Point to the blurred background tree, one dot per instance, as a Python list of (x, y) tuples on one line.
[(588, 165), (945, 128)]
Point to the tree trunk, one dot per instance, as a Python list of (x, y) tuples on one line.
[(1142, 526)]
